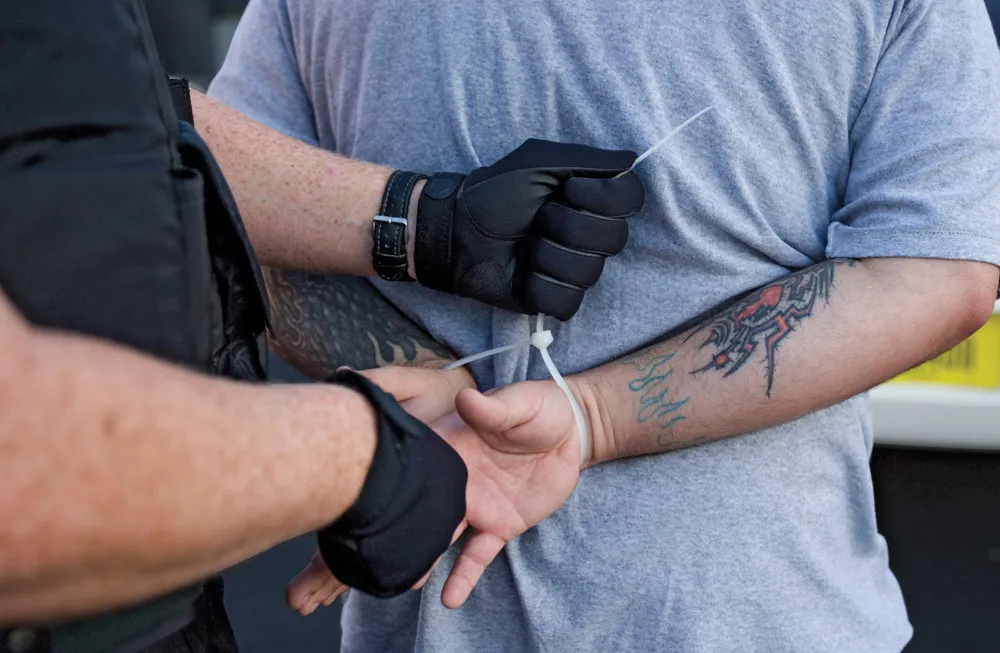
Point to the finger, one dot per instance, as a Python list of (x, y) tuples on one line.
[(531, 417), (581, 230), (567, 265), (303, 602), (458, 531), (613, 198), (324, 596), (478, 553), (569, 159), (306, 583), (438, 395), (553, 297), (482, 412), (333, 596), (425, 393), (313, 586), (502, 411)]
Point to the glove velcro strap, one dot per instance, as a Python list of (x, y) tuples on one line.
[(435, 213)]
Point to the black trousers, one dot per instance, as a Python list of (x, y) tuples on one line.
[(87, 145), (210, 632)]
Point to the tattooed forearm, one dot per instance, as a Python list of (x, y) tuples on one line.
[(657, 404), (761, 321), (322, 322), (754, 325)]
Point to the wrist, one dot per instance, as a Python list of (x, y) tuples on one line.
[(596, 417), (411, 228), (326, 412)]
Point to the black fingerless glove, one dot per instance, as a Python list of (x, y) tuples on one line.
[(531, 232), (412, 501)]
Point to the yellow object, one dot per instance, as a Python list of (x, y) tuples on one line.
[(975, 362)]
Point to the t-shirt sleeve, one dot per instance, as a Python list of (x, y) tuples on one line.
[(924, 179), (261, 75)]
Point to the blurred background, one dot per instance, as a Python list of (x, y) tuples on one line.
[(936, 464)]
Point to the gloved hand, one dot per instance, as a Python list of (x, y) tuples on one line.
[(410, 506), (531, 232)]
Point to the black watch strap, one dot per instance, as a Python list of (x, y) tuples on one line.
[(389, 227)]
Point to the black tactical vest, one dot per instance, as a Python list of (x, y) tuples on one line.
[(116, 222)]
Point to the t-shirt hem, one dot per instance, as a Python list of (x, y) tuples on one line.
[(848, 242)]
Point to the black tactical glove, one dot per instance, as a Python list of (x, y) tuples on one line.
[(531, 232), (412, 501)]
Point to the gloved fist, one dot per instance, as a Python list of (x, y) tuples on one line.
[(531, 232)]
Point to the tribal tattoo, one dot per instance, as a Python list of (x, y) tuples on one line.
[(322, 322), (653, 387), (764, 319)]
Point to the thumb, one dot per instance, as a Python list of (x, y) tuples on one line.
[(501, 412), (503, 409), (313, 586)]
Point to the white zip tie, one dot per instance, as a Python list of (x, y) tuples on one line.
[(663, 141), (540, 340), (485, 354)]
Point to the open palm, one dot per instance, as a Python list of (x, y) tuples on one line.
[(523, 455)]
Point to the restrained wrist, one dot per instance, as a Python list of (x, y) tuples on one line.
[(597, 418)]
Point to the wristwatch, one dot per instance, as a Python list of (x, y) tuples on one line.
[(389, 227)]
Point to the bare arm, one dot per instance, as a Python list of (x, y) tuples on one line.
[(123, 477), (798, 345), (304, 208)]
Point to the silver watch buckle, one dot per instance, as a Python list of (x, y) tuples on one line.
[(390, 220)]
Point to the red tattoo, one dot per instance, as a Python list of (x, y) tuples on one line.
[(765, 318)]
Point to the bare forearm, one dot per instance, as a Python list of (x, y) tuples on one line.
[(798, 345), (304, 208), (124, 478)]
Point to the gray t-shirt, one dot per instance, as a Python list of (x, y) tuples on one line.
[(863, 128)]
